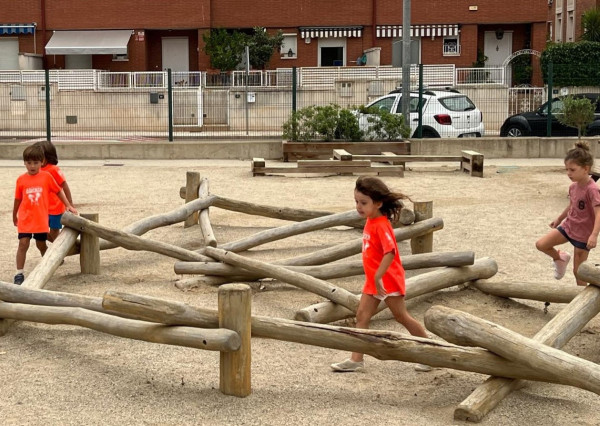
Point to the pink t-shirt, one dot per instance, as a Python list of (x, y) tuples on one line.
[(580, 219), (379, 239)]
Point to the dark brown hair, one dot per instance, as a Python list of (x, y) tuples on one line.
[(33, 153), (580, 154), (378, 191), (49, 152)]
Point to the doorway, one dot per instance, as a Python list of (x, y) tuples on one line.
[(332, 52), (176, 54)]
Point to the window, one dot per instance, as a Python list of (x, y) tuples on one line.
[(570, 26), (413, 105), (458, 103), (385, 104), (559, 28), (451, 46), (118, 57), (289, 47)]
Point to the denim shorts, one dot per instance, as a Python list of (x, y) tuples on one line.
[(575, 243), (42, 236), (54, 221)]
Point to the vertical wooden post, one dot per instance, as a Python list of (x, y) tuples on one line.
[(192, 185), (423, 244), (89, 255), (235, 305), (204, 219)]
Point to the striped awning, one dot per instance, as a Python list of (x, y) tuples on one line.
[(418, 30), (324, 32), (17, 29)]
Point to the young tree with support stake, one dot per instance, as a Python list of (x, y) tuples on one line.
[(577, 112)]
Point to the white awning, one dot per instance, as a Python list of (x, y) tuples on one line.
[(419, 30), (101, 42), (325, 32)]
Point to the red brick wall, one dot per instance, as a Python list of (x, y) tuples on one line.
[(121, 14)]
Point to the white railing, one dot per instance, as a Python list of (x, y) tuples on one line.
[(471, 76), (451, 50)]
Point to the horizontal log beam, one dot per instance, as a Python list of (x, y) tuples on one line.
[(530, 291), (208, 339)]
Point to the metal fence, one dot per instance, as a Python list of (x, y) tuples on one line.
[(90, 104)]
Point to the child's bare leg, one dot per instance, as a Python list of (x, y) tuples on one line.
[(22, 252), (547, 242), (53, 234), (579, 256), (366, 309), (41, 246), (398, 308)]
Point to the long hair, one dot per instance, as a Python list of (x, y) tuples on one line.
[(49, 152), (580, 154), (378, 191)]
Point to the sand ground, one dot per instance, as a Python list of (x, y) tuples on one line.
[(65, 375)]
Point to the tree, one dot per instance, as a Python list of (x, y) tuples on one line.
[(262, 46), (590, 25), (577, 112), (225, 48)]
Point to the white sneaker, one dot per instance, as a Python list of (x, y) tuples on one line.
[(348, 366), (560, 265)]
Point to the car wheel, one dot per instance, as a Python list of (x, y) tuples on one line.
[(515, 131), (428, 133)]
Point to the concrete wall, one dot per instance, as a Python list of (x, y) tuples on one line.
[(271, 149)]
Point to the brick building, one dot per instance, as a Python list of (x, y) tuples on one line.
[(565, 18), (121, 35)]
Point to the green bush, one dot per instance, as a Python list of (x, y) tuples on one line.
[(384, 125), (574, 64), (577, 112), (322, 123)]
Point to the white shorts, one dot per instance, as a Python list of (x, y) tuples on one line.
[(395, 293)]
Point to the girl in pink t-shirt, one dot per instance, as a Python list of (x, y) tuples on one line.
[(384, 274), (579, 223)]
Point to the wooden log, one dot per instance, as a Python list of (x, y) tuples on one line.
[(466, 329), (44, 270), (552, 293), (383, 345), (204, 217), (323, 288), (556, 333), (209, 339), (407, 216), (422, 243), (235, 309), (281, 232), (428, 282), (192, 185), (332, 270), (130, 241), (89, 256), (589, 272), (327, 255)]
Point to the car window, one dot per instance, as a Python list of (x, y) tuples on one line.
[(557, 107), (457, 103), (384, 104), (413, 106)]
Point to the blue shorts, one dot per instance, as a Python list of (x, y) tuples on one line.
[(54, 221), (42, 236), (575, 243)]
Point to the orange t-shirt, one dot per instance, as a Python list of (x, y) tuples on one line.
[(34, 192), (379, 239), (56, 206)]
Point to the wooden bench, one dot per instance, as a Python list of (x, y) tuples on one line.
[(344, 165), (322, 150), (470, 161)]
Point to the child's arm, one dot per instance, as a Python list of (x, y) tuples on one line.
[(560, 218), (15, 211), (386, 261), (593, 239), (67, 191), (63, 198)]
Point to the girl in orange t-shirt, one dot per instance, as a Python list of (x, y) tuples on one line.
[(56, 208), (384, 274)]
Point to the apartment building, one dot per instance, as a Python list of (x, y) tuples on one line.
[(121, 35), (565, 19)]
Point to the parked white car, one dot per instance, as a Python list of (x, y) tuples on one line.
[(446, 113)]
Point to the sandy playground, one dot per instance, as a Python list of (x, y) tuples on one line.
[(67, 375)]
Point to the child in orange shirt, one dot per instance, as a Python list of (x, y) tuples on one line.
[(30, 211), (56, 207), (384, 273)]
